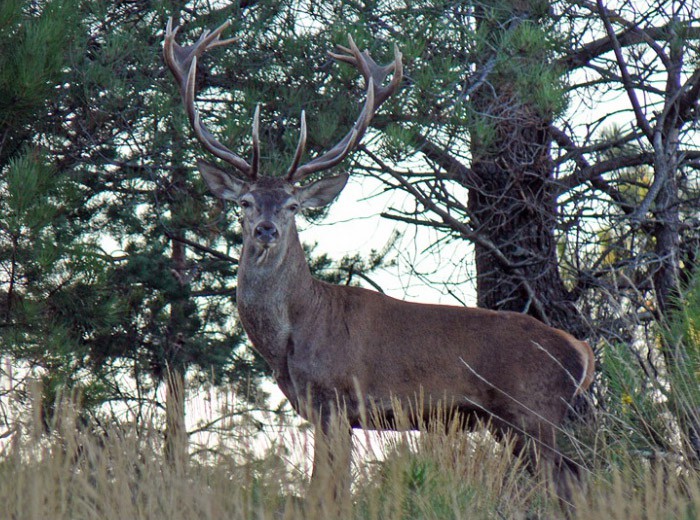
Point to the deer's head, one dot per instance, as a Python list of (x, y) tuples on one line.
[(269, 203)]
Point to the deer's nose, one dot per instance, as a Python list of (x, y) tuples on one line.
[(266, 232)]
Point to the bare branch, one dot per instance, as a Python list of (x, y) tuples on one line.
[(203, 248), (626, 79)]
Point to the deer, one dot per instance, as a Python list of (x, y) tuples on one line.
[(340, 350)]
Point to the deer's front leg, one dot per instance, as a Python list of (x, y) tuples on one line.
[(331, 475)]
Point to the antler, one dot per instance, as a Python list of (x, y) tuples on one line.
[(374, 75), (182, 62)]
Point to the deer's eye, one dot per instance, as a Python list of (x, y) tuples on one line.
[(293, 207), (245, 204)]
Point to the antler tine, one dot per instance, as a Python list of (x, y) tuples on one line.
[(301, 147), (256, 142), (182, 62), (335, 155), (179, 58), (377, 94)]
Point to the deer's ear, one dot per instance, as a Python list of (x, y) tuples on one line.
[(221, 183), (321, 192)]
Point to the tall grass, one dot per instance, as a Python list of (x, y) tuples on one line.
[(74, 474)]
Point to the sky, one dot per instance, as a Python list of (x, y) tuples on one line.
[(354, 225)]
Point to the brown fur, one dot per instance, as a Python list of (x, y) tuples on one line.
[(339, 349)]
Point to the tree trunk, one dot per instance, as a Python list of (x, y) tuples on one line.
[(176, 452), (176, 449), (667, 234), (513, 203)]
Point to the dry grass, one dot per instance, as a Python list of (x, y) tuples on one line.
[(74, 475)]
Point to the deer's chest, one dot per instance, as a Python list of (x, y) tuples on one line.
[(318, 370), (306, 357), (292, 358), (267, 325)]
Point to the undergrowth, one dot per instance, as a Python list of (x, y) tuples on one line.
[(73, 474)]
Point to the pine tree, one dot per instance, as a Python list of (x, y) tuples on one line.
[(99, 199)]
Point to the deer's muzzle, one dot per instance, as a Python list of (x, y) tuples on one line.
[(266, 233)]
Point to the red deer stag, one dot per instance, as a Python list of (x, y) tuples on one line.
[(340, 350)]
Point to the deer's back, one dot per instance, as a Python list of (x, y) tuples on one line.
[(393, 347)]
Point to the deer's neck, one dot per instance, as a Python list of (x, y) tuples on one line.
[(271, 290)]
